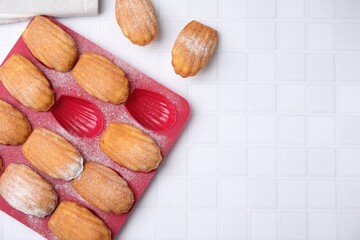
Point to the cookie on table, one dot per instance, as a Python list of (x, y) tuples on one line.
[(193, 48), (137, 20)]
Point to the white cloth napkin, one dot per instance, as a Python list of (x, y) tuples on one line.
[(19, 10)]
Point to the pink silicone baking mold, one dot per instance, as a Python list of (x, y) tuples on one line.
[(164, 126)]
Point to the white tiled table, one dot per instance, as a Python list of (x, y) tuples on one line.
[(272, 150)]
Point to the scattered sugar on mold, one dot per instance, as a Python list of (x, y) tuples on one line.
[(65, 188), (36, 223)]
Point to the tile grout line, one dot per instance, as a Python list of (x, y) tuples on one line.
[(277, 79), (336, 98), (248, 123), (306, 116)]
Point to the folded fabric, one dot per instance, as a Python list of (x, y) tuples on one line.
[(19, 10)]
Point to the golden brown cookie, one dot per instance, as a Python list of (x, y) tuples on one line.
[(27, 191), (72, 221), (137, 20), (130, 147), (193, 48), (14, 126), (53, 154), (101, 78), (26, 83), (50, 44), (104, 189)]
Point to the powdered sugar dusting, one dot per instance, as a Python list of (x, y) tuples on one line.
[(73, 170), (194, 44), (23, 198), (27, 197)]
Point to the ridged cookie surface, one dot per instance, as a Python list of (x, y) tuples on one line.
[(26, 83), (193, 48), (53, 154), (50, 44), (130, 147), (101, 78), (72, 221), (27, 191), (14, 126), (104, 189), (137, 20)]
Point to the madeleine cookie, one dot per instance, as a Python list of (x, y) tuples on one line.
[(27, 191), (72, 221), (53, 154), (26, 83), (193, 48), (137, 20), (101, 78), (14, 126), (50, 44), (130, 147), (104, 189)]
